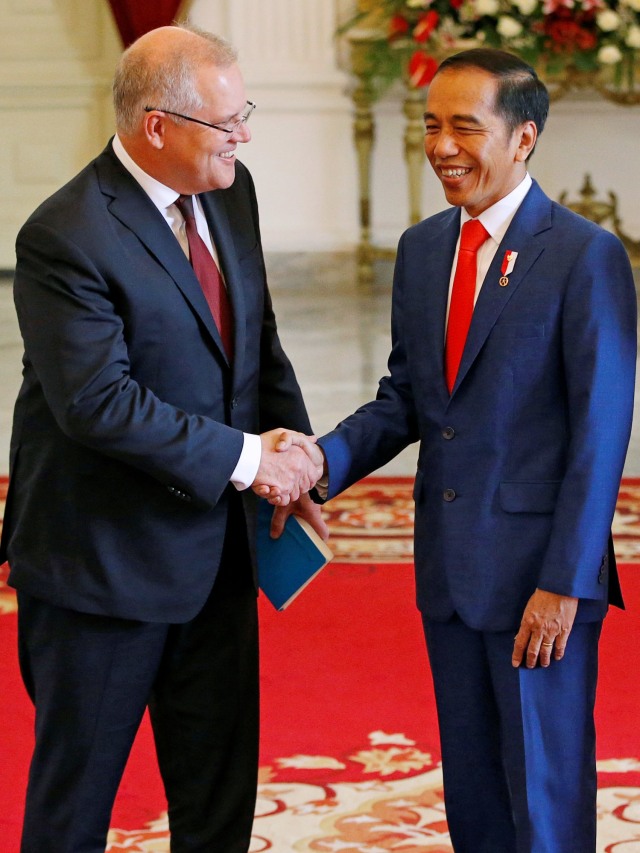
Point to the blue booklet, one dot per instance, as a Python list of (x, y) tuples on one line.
[(286, 565)]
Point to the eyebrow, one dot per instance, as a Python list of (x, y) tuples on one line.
[(458, 117)]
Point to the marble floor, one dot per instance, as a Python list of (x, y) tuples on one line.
[(335, 332)]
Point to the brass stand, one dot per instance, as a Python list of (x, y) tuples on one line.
[(413, 109), (363, 97), (602, 212)]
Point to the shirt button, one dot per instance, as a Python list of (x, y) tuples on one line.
[(448, 433), (449, 495)]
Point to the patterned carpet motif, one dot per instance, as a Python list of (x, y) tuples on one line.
[(386, 794), (373, 522), (626, 522), (376, 817)]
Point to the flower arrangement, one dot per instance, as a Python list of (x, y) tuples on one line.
[(552, 35)]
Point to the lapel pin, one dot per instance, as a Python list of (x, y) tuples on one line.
[(508, 264)]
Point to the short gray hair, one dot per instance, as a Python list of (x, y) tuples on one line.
[(152, 78)]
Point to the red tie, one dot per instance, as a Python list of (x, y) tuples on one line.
[(208, 275), (462, 297)]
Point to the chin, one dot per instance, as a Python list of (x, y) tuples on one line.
[(225, 181)]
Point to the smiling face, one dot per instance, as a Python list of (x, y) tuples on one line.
[(190, 157), (198, 158), (477, 158)]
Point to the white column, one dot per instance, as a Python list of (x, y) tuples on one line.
[(56, 63), (301, 155)]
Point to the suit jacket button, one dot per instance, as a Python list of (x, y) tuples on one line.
[(448, 433), (449, 495), (234, 402)]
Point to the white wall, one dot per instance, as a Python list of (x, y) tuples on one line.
[(56, 60), (301, 155)]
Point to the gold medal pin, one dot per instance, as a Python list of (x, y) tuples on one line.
[(508, 264)]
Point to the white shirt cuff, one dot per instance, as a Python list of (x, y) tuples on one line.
[(322, 487), (245, 471)]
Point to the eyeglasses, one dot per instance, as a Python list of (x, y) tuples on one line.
[(244, 118)]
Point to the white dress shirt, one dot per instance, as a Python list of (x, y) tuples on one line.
[(164, 198), (496, 219)]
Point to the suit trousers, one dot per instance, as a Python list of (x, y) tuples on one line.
[(91, 678), (518, 745)]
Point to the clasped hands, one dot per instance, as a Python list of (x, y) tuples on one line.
[(290, 466)]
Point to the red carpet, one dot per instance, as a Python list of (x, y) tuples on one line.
[(347, 713), (346, 661)]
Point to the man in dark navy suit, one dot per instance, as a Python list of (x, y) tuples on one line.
[(522, 442), (148, 409)]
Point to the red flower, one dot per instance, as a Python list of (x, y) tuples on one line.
[(455, 4), (566, 35), (422, 69), (398, 26), (426, 25)]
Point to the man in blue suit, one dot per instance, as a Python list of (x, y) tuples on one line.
[(519, 465), (130, 522)]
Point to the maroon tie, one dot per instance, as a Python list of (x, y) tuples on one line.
[(462, 297), (208, 275)]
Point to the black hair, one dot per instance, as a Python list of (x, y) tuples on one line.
[(521, 95)]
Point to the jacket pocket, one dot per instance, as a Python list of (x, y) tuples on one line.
[(518, 331), (529, 497)]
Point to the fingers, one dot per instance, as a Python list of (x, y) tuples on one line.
[(278, 521), (519, 647), (315, 519), (286, 439), (560, 644), (544, 630), (531, 649), (264, 491), (283, 440), (304, 508), (283, 477), (311, 512), (538, 650)]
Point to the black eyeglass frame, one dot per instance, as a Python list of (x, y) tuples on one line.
[(242, 120)]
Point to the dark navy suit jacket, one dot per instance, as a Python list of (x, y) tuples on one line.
[(519, 467), (129, 421)]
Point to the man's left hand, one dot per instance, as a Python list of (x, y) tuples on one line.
[(546, 624), (305, 508)]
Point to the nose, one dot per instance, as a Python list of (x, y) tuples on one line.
[(242, 132), (444, 144)]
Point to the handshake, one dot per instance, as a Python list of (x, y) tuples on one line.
[(290, 466)]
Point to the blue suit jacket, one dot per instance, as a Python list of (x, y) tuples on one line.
[(519, 467), (129, 421)]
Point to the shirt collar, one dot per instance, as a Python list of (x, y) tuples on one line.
[(497, 218), (161, 195)]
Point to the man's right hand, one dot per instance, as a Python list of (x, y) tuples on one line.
[(290, 466)]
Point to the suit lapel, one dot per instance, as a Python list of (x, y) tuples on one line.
[(532, 219), (135, 210), (433, 281), (215, 209)]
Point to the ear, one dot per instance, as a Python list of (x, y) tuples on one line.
[(154, 126), (526, 136)]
